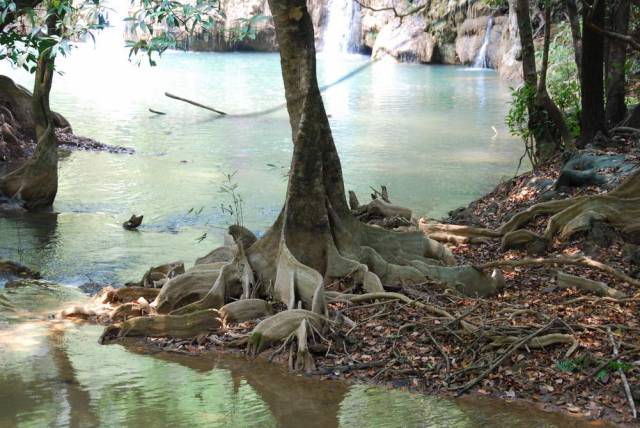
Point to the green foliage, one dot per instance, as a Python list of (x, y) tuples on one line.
[(245, 28), (581, 364), (495, 4), (563, 87), (562, 76), (26, 34), (566, 366), (572, 365), (518, 115), (156, 22), (234, 209)]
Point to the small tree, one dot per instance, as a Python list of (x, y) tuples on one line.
[(33, 33), (546, 124)]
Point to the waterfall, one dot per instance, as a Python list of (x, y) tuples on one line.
[(482, 60), (343, 27)]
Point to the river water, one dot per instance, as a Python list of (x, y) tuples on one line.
[(54, 374), (434, 135), (427, 132)]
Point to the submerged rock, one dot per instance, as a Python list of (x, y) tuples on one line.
[(13, 270)]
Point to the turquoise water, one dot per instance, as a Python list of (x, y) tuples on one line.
[(427, 132)]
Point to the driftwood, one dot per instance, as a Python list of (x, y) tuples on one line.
[(175, 97)]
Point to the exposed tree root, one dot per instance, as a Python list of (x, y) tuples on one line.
[(304, 360), (35, 183), (565, 280), (456, 233), (128, 294), (187, 288), (498, 361), (126, 311), (220, 254), (575, 261), (157, 276), (244, 310), (620, 208), (189, 325), (279, 327), (537, 342), (77, 311), (231, 281)]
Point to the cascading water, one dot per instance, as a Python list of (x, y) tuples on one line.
[(482, 59), (343, 27)]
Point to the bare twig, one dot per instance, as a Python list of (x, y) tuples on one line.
[(504, 356), (396, 13), (623, 376)]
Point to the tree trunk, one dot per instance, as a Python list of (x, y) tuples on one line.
[(616, 108), (540, 113), (592, 84), (543, 99), (316, 238), (35, 183), (574, 22)]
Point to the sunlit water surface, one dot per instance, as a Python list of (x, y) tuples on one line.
[(434, 135)]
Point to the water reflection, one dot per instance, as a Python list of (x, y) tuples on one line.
[(54, 373), (69, 380)]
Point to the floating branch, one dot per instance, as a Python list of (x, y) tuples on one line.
[(175, 97)]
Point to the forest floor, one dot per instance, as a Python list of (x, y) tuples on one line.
[(398, 344)]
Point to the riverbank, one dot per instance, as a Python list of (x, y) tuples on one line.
[(17, 142), (540, 339)]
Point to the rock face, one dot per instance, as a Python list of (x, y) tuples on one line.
[(446, 32)]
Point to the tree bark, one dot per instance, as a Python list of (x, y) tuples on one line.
[(542, 95), (316, 238), (592, 84), (576, 36), (616, 108), (541, 106)]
